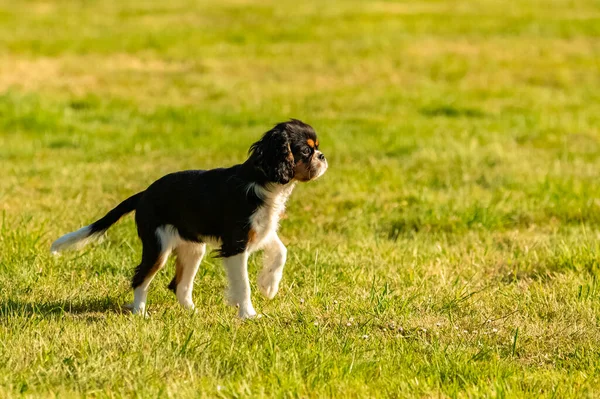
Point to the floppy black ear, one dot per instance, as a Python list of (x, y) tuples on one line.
[(274, 156)]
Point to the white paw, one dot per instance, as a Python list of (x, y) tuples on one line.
[(185, 299), (247, 313), (140, 312), (268, 284), (136, 310), (187, 304)]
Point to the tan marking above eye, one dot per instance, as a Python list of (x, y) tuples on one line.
[(317, 143), (311, 143)]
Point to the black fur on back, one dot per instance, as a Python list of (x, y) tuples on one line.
[(215, 203)]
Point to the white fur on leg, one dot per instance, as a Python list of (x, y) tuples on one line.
[(272, 271), (75, 240), (189, 256), (239, 285), (169, 238), (140, 295)]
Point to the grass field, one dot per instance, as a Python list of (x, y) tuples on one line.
[(452, 249)]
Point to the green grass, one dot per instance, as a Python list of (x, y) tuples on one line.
[(451, 250)]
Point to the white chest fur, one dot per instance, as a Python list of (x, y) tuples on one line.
[(265, 220)]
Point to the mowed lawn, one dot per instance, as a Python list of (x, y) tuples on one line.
[(451, 250)]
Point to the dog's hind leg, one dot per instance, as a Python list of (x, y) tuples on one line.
[(155, 251), (189, 255)]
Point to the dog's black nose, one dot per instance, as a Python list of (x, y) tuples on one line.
[(321, 157)]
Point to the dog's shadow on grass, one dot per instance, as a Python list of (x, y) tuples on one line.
[(89, 308)]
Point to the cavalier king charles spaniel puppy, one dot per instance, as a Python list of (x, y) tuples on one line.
[(236, 209)]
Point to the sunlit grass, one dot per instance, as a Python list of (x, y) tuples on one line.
[(450, 250)]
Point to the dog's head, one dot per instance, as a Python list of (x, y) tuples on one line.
[(289, 151)]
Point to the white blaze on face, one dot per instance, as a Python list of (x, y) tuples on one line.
[(320, 166)]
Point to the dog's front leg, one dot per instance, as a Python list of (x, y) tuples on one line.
[(239, 285), (272, 271)]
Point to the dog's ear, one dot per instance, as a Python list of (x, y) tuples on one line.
[(273, 155)]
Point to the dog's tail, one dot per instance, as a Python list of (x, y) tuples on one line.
[(87, 234)]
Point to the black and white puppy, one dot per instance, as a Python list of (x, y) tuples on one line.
[(236, 209)]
